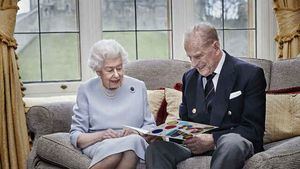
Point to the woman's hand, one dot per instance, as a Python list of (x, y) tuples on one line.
[(86, 139), (127, 131), (109, 133)]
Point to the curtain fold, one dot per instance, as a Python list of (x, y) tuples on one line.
[(288, 23), (14, 146)]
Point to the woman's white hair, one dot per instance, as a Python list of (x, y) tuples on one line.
[(106, 48)]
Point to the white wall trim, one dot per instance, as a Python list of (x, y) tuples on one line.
[(182, 20), (50, 89), (90, 31), (266, 30)]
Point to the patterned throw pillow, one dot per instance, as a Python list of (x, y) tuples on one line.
[(155, 100), (282, 117), (173, 98)]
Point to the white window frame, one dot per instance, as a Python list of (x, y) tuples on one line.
[(90, 32), (266, 28)]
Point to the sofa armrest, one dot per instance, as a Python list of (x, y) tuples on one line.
[(56, 149), (49, 118), (284, 155)]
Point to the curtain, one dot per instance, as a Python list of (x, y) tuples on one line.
[(14, 146), (288, 23)]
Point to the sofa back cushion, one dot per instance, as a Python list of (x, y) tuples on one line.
[(49, 118), (165, 73), (266, 65), (173, 99), (285, 74), (157, 73)]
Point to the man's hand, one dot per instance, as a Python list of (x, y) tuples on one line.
[(200, 143), (150, 138)]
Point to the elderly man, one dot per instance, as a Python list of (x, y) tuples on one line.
[(219, 90)]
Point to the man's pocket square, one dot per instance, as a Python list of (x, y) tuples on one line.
[(235, 94)]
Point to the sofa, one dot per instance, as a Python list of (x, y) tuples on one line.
[(49, 124)]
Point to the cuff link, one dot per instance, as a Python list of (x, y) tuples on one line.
[(194, 110)]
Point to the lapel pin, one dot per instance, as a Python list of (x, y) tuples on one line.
[(194, 110), (132, 89)]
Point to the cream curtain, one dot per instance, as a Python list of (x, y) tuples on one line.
[(14, 146), (288, 22)]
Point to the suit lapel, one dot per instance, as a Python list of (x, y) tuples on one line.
[(225, 84), (200, 99), (196, 95)]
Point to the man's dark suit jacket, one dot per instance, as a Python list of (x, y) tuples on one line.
[(244, 114)]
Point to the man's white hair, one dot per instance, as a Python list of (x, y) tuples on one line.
[(204, 32), (103, 49)]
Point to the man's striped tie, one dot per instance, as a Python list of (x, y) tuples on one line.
[(209, 92)]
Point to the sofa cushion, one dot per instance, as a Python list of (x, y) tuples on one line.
[(285, 74), (282, 116), (198, 162), (57, 149), (155, 100), (173, 98), (162, 113), (157, 73), (277, 143), (266, 65), (43, 165), (282, 156), (49, 118)]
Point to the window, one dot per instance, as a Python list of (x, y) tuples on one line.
[(235, 22), (47, 32), (55, 36), (143, 27)]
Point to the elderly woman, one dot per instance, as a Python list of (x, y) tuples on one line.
[(105, 104)]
